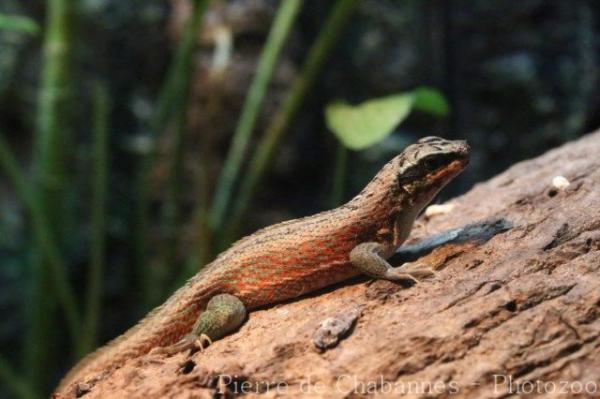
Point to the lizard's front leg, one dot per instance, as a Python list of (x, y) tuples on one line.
[(371, 259), (224, 313)]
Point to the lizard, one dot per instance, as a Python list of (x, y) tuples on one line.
[(292, 258)]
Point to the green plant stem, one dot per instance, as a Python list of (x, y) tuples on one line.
[(284, 20), (14, 383), (339, 175), (53, 137), (202, 237), (172, 100), (180, 69), (41, 230), (139, 234), (171, 212), (98, 215), (266, 147), (53, 141), (200, 251)]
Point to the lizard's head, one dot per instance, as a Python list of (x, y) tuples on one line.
[(409, 182), (423, 168)]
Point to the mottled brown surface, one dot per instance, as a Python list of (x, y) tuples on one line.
[(526, 304)]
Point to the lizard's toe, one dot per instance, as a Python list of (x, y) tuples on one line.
[(198, 342), (204, 340), (185, 343), (396, 275), (418, 270)]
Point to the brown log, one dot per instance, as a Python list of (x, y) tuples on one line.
[(510, 314)]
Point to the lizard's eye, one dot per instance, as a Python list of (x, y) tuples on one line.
[(432, 164)]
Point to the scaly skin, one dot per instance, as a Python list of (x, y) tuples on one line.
[(292, 258)]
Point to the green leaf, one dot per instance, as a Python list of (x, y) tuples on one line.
[(360, 126), (19, 23), (430, 100)]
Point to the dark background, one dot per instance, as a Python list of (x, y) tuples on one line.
[(521, 78)]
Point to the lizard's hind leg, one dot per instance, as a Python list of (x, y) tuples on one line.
[(224, 313)]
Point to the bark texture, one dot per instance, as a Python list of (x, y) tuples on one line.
[(515, 311)]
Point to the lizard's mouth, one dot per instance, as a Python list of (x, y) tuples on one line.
[(431, 183), (449, 171)]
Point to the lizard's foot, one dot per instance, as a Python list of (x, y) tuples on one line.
[(417, 270), (410, 271), (190, 342), (223, 314)]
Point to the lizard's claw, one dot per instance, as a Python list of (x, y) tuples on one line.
[(413, 272), (396, 275), (201, 342), (418, 270), (190, 341), (159, 350)]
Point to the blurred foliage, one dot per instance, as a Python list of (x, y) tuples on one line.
[(279, 124), (431, 101), (281, 27), (360, 126), (170, 108), (112, 195), (98, 222), (47, 196), (19, 23)]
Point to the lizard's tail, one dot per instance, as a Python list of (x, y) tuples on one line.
[(163, 326), (113, 354)]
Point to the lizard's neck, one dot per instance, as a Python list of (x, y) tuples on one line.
[(376, 210), (386, 212)]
